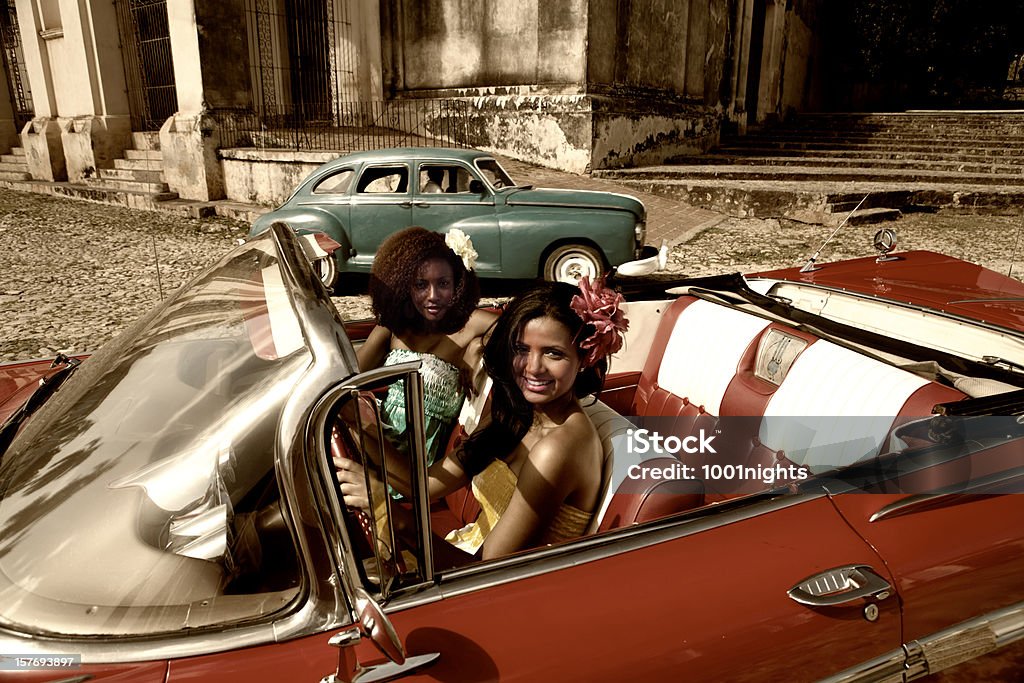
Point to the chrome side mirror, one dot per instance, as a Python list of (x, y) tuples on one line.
[(376, 626)]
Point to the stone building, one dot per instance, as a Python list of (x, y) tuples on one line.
[(240, 98)]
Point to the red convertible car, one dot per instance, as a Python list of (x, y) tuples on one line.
[(809, 475)]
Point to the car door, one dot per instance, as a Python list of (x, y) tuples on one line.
[(456, 206), (953, 557), (705, 599), (381, 204)]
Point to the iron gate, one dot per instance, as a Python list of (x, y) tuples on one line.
[(14, 65), (148, 69)]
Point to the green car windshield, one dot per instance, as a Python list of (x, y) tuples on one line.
[(134, 501)]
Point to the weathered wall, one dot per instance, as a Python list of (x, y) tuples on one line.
[(267, 177), (468, 43)]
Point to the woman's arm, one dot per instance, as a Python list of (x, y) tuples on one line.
[(545, 481), (443, 477), (372, 352)]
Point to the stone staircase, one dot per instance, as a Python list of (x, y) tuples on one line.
[(14, 166), (818, 167), (137, 179)]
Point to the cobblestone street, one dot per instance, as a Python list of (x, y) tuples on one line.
[(74, 273)]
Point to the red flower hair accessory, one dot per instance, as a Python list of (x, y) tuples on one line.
[(598, 305)]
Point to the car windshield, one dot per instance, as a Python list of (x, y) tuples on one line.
[(494, 173), (142, 497)]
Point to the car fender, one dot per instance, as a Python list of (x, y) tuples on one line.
[(531, 234), (307, 220)]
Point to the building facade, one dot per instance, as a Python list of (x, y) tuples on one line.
[(572, 84)]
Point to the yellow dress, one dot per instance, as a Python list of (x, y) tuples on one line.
[(494, 488)]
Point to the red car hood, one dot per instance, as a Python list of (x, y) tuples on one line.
[(924, 278), (19, 379)]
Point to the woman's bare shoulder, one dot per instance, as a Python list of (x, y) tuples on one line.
[(572, 439)]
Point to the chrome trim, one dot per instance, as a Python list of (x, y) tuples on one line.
[(594, 548), (895, 302), (929, 501), (941, 650), (571, 205)]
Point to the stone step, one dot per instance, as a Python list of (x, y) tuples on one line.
[(18, 151), (139, 164), (764, 198), (814, 174), (149, 154), (742, 145), (131, 199), (146, 140), (129, 185), (886, 137), (869, 156), (138, 175), (13, 165), (13, 159), (858, 217), (6, 174), (1002, 165)]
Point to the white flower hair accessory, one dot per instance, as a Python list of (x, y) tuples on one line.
[(462, 245)]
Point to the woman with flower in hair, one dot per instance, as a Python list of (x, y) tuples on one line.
[(424, 295), (535, 464)]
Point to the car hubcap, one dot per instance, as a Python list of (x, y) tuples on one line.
[(573, 267)]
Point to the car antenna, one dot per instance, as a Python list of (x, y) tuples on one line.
[(809, 266), (1013, 258), (156, 259)]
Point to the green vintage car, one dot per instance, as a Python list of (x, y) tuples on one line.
[(518, 231)]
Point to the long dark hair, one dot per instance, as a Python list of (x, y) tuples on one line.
[(396, 267), (511, 414)]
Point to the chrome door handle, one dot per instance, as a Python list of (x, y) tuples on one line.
[(840, 585), (405, 205), (421, 205)]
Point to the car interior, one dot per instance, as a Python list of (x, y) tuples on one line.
[(779, 393)]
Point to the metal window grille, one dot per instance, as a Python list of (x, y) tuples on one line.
[(14, 65), (149, 70), (306, 86)]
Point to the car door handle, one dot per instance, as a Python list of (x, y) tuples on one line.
[(405, 205), (421, 205), (840, 585)]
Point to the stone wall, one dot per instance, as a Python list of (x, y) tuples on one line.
[(267, 176)]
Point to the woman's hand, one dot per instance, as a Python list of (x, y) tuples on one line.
[(352, 480)]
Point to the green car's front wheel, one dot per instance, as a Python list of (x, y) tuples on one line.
[(570, 262)]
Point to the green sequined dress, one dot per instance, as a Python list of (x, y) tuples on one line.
[(442, 401)]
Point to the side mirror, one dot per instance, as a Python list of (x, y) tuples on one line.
[(376, 626), (477, 186)]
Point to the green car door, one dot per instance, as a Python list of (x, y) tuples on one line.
[(381, 204), (445, 196)]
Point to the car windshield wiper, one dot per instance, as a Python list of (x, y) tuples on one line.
[(47, 387)]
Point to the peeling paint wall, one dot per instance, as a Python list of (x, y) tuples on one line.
[(465, 43), (639, 135)]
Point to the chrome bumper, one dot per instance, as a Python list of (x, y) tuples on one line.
[(653, 260)]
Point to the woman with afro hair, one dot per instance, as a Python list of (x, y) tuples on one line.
[(424, 295)]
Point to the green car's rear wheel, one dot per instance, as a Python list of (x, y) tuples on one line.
[(570, 262)]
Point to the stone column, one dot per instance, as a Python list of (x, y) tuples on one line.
[(189, 139), (41, 136), (73, 59)]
